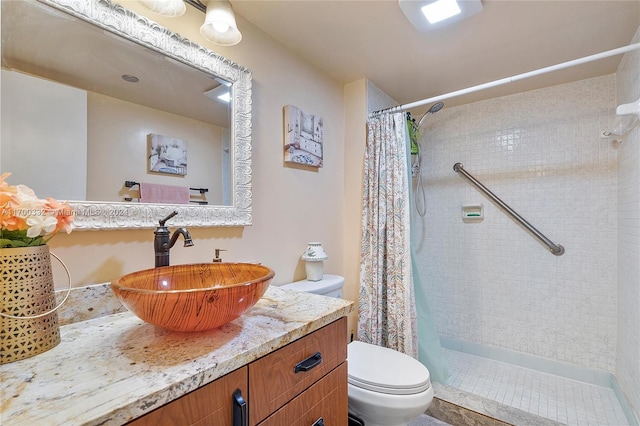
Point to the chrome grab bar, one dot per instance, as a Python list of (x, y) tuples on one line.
[(557, 250)]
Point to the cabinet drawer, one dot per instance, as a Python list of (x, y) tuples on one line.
[(273, 380), (211, 404), (326, 400)]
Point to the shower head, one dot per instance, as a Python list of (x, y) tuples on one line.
[(434, 108)]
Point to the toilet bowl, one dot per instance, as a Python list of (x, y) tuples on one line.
[(385, 387)]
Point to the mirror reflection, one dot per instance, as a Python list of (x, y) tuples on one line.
[(89, 115)]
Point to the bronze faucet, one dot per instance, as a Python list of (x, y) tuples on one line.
[(162, 243)]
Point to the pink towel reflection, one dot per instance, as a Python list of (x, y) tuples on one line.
[(165, 194)]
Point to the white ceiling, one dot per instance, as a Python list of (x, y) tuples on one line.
[(349, 40), (50, 45)]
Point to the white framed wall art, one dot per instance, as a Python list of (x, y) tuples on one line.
[(303, 134)]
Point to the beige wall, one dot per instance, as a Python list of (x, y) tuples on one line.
[(59, 142), (118, 149), (355, 95), (291, 205)]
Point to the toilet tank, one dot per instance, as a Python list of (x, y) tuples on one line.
[(329, 285)]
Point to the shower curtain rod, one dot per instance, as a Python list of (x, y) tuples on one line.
[(506, 80)]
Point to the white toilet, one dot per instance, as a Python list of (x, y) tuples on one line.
[(386, 387)]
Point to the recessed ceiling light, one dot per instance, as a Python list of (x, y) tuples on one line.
[(130, 78), (418, 12), (440, 10)]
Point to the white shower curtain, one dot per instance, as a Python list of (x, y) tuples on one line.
[(387, 315)]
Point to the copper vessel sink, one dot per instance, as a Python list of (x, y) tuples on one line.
[(193, 297)]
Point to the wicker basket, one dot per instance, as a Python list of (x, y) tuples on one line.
[(28, 317)]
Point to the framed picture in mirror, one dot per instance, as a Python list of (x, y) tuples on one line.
[(167, 155)]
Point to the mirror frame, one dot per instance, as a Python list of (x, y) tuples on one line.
[(101, 215)]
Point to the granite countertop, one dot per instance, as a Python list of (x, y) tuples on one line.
[(112, 369)]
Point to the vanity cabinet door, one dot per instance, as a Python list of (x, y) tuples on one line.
[(212, 404), (280, 376), (324, 403)]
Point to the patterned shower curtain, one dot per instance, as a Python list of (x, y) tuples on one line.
[(387, 315)]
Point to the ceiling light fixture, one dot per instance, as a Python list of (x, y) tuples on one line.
[(225, 97), (169, 8), (221, 93), (438, 13), (219, 23), (440, 10)]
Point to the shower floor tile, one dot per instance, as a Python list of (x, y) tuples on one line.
[(553, 397)]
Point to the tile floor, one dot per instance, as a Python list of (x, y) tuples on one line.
[(557, 398)]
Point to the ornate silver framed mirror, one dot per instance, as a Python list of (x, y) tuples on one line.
[(228, 184)]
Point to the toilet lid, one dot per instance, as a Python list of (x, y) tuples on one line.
[(384, 370)]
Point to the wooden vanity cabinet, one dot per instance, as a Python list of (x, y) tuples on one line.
[(274, 379), (303, 383), (323, 404), (217, 403)]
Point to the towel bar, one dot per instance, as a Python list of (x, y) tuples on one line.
[(132, 183)]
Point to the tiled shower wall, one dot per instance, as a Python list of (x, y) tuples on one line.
[(490, 282), (628, 365)]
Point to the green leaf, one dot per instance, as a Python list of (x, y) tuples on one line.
[(5, 243), (19, 239)]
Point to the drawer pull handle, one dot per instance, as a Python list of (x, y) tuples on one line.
[(239, 409), (318, 422), (309, 363)]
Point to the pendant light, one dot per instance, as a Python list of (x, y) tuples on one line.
[(170, 8), (220, 24)]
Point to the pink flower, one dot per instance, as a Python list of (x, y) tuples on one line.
[(26, 219), (63, 213)]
